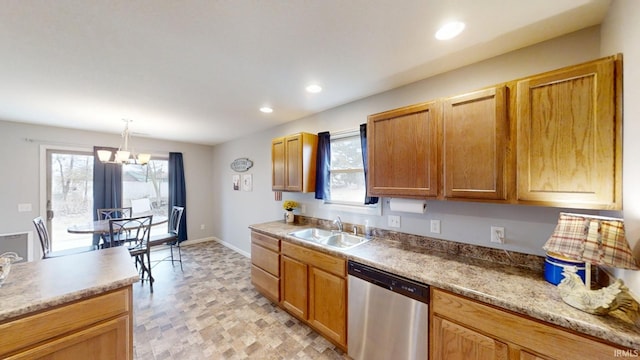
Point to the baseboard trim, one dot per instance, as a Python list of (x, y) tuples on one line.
[(232, 247), (213, 238), (197, 241)]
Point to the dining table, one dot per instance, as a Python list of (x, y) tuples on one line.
[(102, 226)]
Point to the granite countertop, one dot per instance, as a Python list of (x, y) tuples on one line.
[(520, 290), (39, 285)]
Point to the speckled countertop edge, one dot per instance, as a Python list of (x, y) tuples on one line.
[(43, 284), (520, 290)]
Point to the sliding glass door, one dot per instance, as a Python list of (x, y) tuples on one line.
[(69, 191), (69, 196)]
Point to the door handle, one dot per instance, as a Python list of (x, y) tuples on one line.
[(49, 214)]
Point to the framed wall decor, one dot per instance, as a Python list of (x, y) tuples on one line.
[(236, 182), (247, 182)]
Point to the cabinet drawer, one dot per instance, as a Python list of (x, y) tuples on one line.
[(265, 241), (61, 320), (322, 261), (265, 259), (516, 329), (266, 283)]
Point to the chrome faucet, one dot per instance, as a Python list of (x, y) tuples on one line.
[(338, 222)]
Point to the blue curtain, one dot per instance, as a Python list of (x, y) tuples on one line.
[(323, 165), (368, 200), (107, 185), (177, 191)]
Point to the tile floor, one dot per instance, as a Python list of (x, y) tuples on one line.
[(211, 311)]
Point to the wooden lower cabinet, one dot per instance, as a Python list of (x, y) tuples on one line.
[(294, 287), (265, 265), (462, 328), (456, 342), (314, 289), (99, 327), (327, 304), (104, 341)]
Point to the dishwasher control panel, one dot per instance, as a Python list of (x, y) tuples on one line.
[(392, 282)]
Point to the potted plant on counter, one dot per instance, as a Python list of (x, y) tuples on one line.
[(288, 206)]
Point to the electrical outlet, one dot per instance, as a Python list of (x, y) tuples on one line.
[(394, 221), (202, 227), (497, 234), (303, 209), (435, 226)]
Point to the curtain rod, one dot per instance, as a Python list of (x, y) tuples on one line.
[(343, 132), (89, 147), (49, 142)]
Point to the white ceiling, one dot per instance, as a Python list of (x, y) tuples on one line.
[(197, 71)]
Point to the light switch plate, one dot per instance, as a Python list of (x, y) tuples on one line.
[(394, 221), (24, 207)]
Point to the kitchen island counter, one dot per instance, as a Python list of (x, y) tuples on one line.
[(76, 306)]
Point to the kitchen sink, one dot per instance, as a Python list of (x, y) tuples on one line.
[(338, 240), (345, 240)]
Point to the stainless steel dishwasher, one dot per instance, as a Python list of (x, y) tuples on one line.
[(388, 315)]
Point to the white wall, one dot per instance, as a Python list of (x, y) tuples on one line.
[(20, 172), (527, 227), (621, 33)]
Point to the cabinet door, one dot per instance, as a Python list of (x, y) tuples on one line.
[(294, 286), (403, 147), (476, 139), (328, 304), (106, 341), (293, 168), (525, 355), (451, 341), (278, 161), (569, 137)]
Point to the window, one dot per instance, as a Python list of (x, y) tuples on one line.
[(346, 184), (347, 187), (150, 181)]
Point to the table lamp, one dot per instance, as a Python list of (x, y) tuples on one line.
[(596, 240)]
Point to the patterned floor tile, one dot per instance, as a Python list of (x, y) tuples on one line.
[(211, 311)]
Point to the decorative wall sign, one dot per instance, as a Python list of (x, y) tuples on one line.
[(241, 164)]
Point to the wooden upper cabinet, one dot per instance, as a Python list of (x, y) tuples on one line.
[(476, 142), (293, 160), (403, 151), (569, 137), (278, 161)]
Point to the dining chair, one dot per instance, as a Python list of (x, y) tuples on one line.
[(171, 237), (45, 243), (140, 206), (136, 231), (112, 213)]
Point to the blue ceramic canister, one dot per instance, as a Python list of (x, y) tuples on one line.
[(555, 263)]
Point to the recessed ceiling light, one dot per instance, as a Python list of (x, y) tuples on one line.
[(450, 30), (266, 109), (314, 88)]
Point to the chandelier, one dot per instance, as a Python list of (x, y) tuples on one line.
[(123, 155)]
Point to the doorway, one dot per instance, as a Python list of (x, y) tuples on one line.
[(69, 187)]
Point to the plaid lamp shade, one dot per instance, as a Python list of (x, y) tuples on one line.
[(599, 241)]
